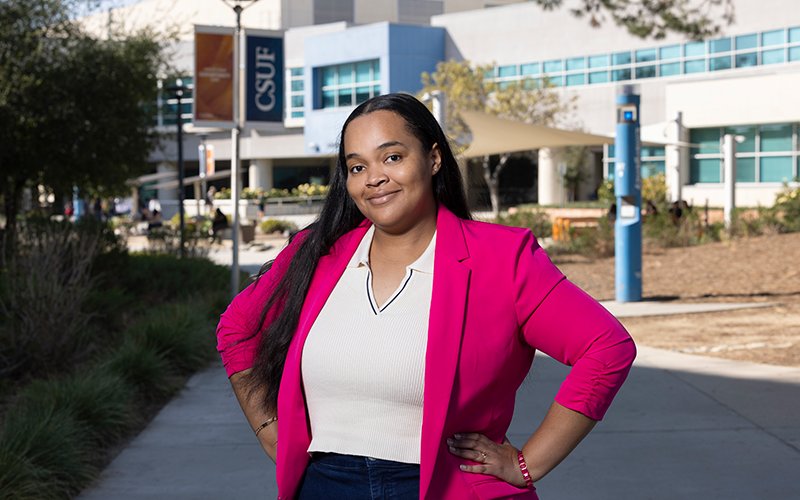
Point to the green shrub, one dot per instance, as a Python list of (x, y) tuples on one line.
[(160, 278), (787, 204), (270, 226), (44, 453), (143, 369), (592, 242), (179, 333), (98, 400), (536, 220)]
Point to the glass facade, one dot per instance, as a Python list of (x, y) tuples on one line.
[(653, 161), (767, 153), (720, 54), (296, 93), (166, 111), (349, 84)]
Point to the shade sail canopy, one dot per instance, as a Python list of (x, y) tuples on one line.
[(492, 135)]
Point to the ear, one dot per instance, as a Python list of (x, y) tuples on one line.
[(435, 158)]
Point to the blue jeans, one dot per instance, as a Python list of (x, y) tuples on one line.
[(348, 477)]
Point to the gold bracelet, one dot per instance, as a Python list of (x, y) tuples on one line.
[(266, 424)]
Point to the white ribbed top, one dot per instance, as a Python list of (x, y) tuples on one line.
[(364, 365)]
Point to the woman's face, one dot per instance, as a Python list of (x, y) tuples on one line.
[(388, 172)]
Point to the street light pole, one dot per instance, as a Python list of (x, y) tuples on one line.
[(236, 131), (179, 89)]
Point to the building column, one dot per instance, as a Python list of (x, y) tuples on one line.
[(675, 165), (551, 186), (260, 174)]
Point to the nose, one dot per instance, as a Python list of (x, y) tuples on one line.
[(376, 177)]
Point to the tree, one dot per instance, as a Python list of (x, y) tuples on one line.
[(73, 109), (467, 89), (655, 18)]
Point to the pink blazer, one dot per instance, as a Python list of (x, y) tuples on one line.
[(496, 299)]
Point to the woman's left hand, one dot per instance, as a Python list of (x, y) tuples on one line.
[(499, 460)]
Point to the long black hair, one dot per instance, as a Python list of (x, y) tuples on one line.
[(338, 216)]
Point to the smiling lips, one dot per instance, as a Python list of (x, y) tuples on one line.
[(382, 198)]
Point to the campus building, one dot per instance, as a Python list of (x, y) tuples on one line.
[(339, 53)]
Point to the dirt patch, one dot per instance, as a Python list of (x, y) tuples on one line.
[(762, 269)]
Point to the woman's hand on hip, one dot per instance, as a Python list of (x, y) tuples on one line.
[(499, 460)]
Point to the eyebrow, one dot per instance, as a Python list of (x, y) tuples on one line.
[(382, 146)]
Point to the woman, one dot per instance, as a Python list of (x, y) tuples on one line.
[(391, 336)]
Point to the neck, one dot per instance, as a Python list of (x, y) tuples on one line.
[(403, 248)]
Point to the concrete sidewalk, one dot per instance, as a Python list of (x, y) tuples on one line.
[(688, 427)]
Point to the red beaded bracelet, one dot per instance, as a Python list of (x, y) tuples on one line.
[(524, 468)]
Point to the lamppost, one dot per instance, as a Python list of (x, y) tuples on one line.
[(238, 6), (178, 89)]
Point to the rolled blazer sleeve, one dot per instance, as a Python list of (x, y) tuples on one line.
[(238, 333), (564, 322)]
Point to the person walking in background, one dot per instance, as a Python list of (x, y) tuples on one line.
[(218, 224), (383, 348)]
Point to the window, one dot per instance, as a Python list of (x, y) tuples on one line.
[(776, 138), (530, 69), (705, 170), (794, 35), (646, 72), (746, 60), (707, 140), (775, 168), (747, 42), (598, 77), (670, 52), (693, 49), (620, 74), (349, 84), (553, 66), (598, 61), (621, 58), (645, 55), (506, 71), (772, 38), (296, 93), (719, 45), (670, 69), (718, 63), (745, 169), (576, 63), (749, 134), (774, 56), (697, 66), (794, 54), (578, 79)]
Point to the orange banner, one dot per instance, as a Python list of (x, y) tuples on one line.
[(213, 85)]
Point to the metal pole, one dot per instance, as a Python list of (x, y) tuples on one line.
[(729, 159), (179, 95), (235, 133), (627, 189)]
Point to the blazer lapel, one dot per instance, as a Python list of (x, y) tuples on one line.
[(294, 433), (445, 329)]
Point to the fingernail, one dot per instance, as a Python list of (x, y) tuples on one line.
[(462, 467), (457, 436), (452, 449), (450, 441)]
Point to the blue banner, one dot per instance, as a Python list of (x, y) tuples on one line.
[(264, 79)]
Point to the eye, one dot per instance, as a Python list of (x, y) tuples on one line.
[(393, 158), (354, 169)]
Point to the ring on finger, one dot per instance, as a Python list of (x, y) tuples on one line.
[(483, 456)]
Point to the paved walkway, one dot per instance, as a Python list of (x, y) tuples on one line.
[(683, 426)]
